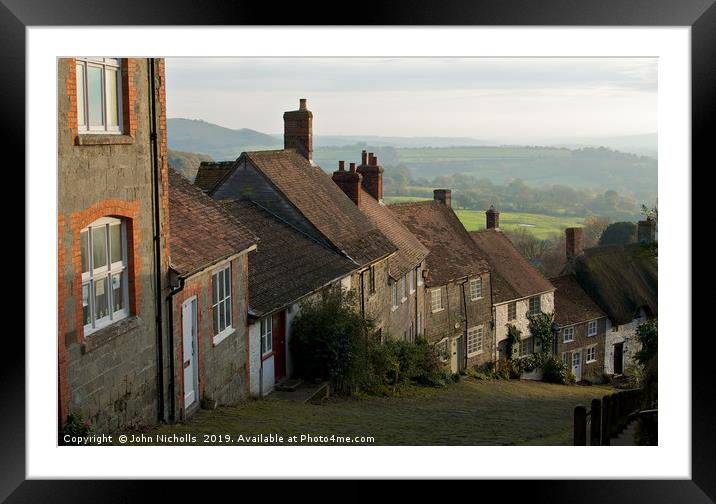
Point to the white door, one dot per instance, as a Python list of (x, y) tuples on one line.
[(190, 344), (577, 365)]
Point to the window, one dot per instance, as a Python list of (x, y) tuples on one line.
[(526, 347), (394, 293), (475, 288), (436, 300), (405, 288), (512, 311), (103, 255), (443, 349), (99, 95), (371, 280), (565, 358), (221, 301), (535, 305), (592, 328), (266, 335), (474, 340), (412, 281), (419, 324), (419, 274), (592, 354), (568, 334)]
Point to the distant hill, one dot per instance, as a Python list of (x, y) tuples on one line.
[(641, 145), (195, 135), (187, 163)]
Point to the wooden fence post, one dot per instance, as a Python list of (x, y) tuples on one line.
[(605, 420), (596, 425), (580, 425)]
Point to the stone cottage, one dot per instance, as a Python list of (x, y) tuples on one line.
[(518, 288), (287, 268), (623, 281), (208, 303), (581, 339), (292, 187), (458, 290), (405, 312), (113, 231)]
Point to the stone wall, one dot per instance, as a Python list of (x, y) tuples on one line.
[(591, 371)]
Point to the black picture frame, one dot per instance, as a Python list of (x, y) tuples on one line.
[(700, 15)]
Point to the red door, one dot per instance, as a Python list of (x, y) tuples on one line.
[(279, 344)]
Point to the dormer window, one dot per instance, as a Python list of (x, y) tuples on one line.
[(99, 95)]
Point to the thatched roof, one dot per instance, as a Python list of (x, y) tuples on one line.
[(620, 279)]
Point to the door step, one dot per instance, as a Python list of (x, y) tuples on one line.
[(288, 385)]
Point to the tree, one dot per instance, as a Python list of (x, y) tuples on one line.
[(593, 228), (646, 335), (619, 233)]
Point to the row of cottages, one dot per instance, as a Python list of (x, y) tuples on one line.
[(603, 294)]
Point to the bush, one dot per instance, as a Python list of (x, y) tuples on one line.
[(556, 371), (75, 427)]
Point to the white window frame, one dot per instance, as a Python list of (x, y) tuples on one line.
[(526, 347), (564, 334), (475, 289), (412, 280), (591, 350), (475, 340), (393, 294), (512, 305), (433, 298), (592, 328), (266, 329), (419, 274), (93, 275), (565, 358), (216, 302), (106, 65), (405, 289), (444, 355), (539, 307)]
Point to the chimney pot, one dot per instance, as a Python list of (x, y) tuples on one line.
[(443, 196), (341, 165), (353, 167), (493, 218), (575, 245), (302, 104), (364, 158)]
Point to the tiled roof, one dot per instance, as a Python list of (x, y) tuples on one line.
[(201, 233), (571, 304), (516, 277), (287, 264), (314, 194), (620, 279), (410, 251), (211, 173), (452, 253)]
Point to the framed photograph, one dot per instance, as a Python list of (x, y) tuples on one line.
[(422, 245)]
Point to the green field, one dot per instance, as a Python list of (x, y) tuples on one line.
[(541, 226)]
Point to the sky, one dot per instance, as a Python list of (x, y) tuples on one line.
[(510, 100)]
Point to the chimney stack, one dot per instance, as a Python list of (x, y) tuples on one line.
[(575, 245), (646, 231), (298, 130), (349, 181), (443, 196), (372, 175), (493, 218)]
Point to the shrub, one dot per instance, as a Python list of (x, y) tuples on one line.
[(556, 371), (75, 427)]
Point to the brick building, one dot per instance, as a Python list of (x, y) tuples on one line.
[(581, 339), (518, 288), (208, 304), (458, 292), (113, 234), (287, 267)]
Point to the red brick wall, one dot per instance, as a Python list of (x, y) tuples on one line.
[(62, 360)]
